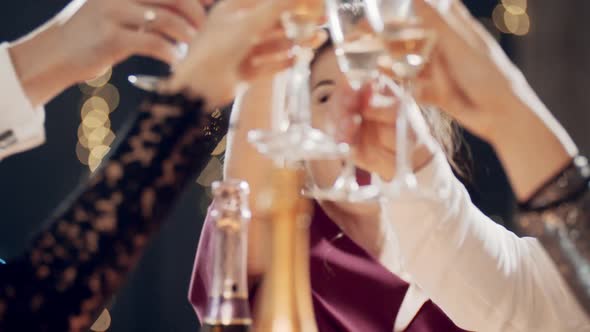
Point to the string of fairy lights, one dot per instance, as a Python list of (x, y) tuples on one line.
[(95, 135)]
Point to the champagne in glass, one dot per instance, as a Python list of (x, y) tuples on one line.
[(228, 309), (301, 23), (357, 50), (299, 141), (408, 47), (358, 58)]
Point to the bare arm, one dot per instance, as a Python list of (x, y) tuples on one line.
[(251, 110), (474, 81)]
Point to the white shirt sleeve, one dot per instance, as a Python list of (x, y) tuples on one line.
[(22, 127), (483, 276)]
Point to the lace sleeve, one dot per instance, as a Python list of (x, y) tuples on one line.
[(82, 257), (559, 216)]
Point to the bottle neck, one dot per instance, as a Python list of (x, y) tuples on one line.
[(228, 295)]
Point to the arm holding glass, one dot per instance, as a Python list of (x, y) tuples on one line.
[(495, 102), (490, 279), (79, 43), (74, 266), (483, 276)]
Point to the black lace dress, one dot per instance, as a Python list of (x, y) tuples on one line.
[(74, 266)]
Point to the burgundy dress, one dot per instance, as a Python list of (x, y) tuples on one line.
[(351, 291)]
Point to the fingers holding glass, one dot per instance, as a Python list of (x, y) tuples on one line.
[(176, 20)]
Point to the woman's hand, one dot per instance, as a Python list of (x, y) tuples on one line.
[(89, 36), (472, 79), (372, 132), (241, 40), (469, 76)]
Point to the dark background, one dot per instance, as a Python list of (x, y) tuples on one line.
[(554, 55)]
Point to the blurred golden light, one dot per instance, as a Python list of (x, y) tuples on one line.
[(86, 89), (100, 136), (515, 7), (103, 322), (110, 94), (99, 130), (511, 21), (101, 80), (93, 163), (99, 151), (94, 103), (517, 24), (109, 138), (96, 155), (95, 119), (82, 153), (524, 25), (94, 133), (82, 138), (498, 17), (220, 147)]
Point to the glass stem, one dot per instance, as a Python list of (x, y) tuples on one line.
[(378, 99), (347, 179), (403, 141), (298, 94)]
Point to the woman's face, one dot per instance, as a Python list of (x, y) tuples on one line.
[(326, 81), (327, 85)]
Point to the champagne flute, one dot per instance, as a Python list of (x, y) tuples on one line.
[(150, 82), (299, 140), (408, 47), (357, 50)]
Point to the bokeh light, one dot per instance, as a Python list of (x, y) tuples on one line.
[(101, 135), (511, 17), (110, 94), (94, 103), (220, 147), (82, 153), (101, 80), (94, 133), (515, 7), (498, 18), (102, 323), (95, 119), (96, 155), (524, 25)]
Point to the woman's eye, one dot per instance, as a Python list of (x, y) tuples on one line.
[(324, 98)]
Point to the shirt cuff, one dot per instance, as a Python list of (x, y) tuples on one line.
[(436, 177), (22, 127)]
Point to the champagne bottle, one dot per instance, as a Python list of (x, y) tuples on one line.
[(228, 309), (284, 302)]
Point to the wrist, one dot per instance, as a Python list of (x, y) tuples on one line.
[(40, 66), (532, 145), (209, 87)]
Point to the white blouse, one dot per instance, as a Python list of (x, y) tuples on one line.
[(22, 127), (484, 277)]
